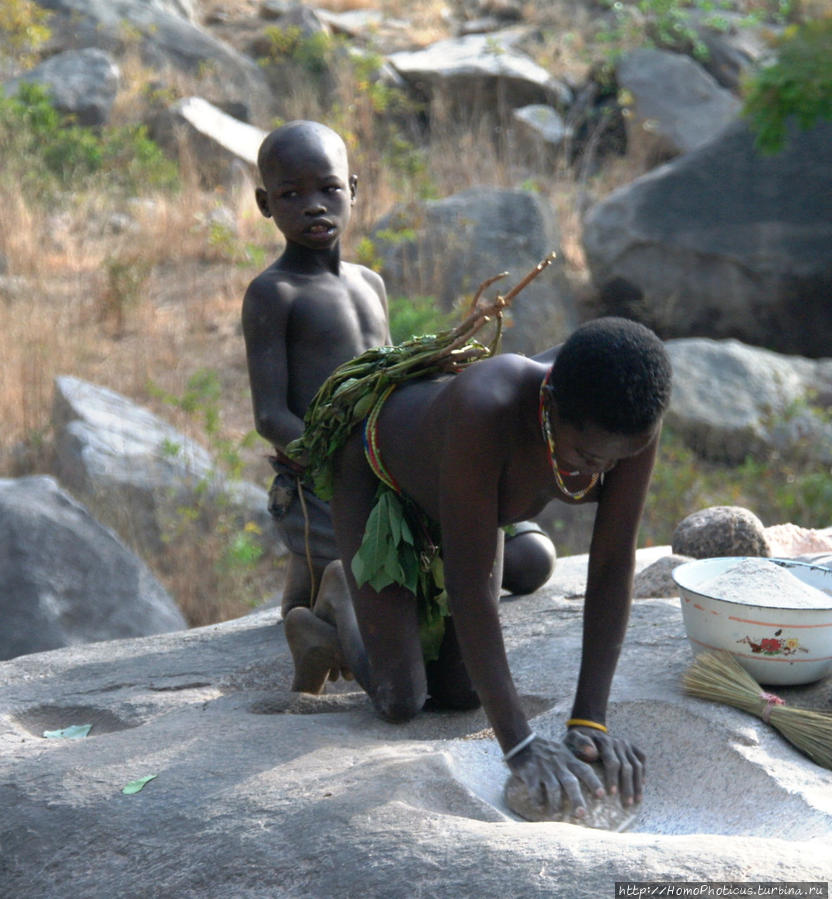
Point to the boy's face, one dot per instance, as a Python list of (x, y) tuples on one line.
[(309, 191)]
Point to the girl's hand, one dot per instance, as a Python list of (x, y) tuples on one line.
[(549, 771), (623, 763)]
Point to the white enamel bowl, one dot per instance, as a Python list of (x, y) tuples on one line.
[(775, 645)]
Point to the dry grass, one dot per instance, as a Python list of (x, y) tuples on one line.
[(67, 308), (171, 309)]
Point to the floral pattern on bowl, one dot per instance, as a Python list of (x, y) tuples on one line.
[(774, 646)]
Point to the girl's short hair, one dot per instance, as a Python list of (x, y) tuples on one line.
[(612, 372)]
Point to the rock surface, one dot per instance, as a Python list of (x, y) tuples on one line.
[(80, 83), (217, 140), (731, 400), (734, 45), (676, 105), (65, 579), (792, 540), (479, 73), (166, 37), (724, 242), (446, 248), (135, 471), (261, 791), (541, 126), (656, 580)]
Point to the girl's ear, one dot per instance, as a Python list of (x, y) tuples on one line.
[(262, 198), (353, 187)]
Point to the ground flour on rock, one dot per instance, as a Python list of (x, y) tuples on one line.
[(760, 582)]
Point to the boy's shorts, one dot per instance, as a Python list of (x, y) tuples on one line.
[(298, 520)]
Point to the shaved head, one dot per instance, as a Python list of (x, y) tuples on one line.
[(300, 137)]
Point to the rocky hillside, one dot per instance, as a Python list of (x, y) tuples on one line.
[(717, 239), (484, 135)]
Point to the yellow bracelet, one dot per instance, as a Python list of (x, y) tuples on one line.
[(585, 722)]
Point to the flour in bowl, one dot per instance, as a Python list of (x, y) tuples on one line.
[(760, 582)]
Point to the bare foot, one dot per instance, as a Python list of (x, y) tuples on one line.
[(315, 650), (331, 600), (332, 594)]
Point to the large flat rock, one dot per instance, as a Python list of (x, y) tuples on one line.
[(261, 792)]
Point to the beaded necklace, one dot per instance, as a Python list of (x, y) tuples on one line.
[(546, 429)]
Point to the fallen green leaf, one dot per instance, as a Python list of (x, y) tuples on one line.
[(136, 785), (73, 732)]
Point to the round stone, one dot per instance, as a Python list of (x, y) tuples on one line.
[(720, 531)]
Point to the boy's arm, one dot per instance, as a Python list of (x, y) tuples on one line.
[(265, 319)]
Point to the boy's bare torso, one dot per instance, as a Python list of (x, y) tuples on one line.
[(331, 320), (299, 327)]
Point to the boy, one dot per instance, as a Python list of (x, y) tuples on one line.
[(303, 316), (474, 452)]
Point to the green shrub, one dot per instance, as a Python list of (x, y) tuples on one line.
[(776, 489), (797, 86), (673, 24), (414, 316), (23, 28), (126, 276), (46, 153), (221, 566), (662, 23), (201, 401), (223, 243), (313, 53)]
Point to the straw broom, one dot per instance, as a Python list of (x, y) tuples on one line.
[(719, 677)]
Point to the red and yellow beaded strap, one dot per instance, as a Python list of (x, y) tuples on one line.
[(548, 438), (371, 450)]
